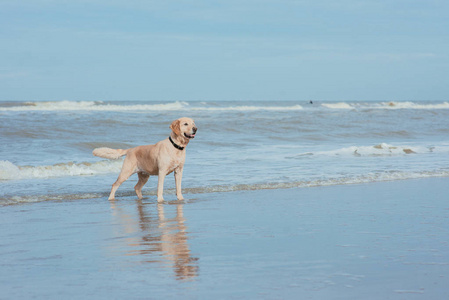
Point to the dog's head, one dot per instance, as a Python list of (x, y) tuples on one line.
[(184, 127)]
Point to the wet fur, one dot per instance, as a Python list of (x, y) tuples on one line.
[(159, 159)]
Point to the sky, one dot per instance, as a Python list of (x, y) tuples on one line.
[(186, 50)]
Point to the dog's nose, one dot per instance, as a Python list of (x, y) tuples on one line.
[(194, 129)]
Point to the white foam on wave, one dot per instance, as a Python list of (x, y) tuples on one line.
[(172, 106), (203, 106), (93, 106), (413, 105), (9, 171), (387, 105), (340, 105), (382, 149), (250, 108)]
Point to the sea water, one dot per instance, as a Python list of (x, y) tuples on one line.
[(46, 147)]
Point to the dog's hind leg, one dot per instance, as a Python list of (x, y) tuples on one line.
[(143, 178), (127, 170)]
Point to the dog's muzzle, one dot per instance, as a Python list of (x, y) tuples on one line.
[(192, 135)]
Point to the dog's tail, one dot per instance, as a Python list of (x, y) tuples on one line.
[(109, 153)]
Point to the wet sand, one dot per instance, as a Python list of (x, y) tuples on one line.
[(385, 240)]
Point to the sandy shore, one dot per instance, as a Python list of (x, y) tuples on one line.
[(375, 241)]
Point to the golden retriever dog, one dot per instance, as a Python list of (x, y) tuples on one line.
[(159, 159)]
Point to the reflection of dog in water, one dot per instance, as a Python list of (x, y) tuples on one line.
[(161, 237), (172, 243)]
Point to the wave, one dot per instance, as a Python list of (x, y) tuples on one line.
[(172, 106), (204, 106), (9, 171), (250, 108), (412, 105), (92, 106), (386, 105), (340, 105), (382, 149), (360, 179)]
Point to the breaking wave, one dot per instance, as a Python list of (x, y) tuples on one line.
[(92, 106), (9, 171), (250, 108), (172, 106), (382, 149), (412, 105), (387, 105), (208, 106), (340, 105)]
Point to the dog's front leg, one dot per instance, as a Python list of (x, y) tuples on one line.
[(160, 185), (178, 179)]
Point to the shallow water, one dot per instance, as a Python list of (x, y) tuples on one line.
[(46, 146), (369, 241)]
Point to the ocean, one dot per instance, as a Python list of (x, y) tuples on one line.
[(46, 147)]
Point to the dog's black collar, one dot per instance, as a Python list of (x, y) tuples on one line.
[(174, 145)]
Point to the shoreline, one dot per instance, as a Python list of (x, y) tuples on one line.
[(383, 240), (149, 191)]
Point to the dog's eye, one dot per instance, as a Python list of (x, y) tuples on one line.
[(185, 124)]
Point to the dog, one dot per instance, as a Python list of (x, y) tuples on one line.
[(160, 159)]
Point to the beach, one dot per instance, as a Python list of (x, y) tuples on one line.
[(384, 240), (307, 143), (284, 200)]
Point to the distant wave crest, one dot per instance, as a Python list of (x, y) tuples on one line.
[(413, 105), (250, 108), (170, 106), (93, 106), (386, 105), (339, 105), (211, 106)]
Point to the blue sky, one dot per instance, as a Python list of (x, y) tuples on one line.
[(224, 50)]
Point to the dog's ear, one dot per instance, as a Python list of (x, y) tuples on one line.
[(176, 127)]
